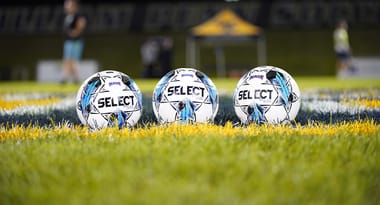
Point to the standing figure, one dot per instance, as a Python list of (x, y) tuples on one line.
[(74, 26), (150, 50), (166, 55), (342, 49)]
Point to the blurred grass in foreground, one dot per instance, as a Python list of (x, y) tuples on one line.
[(179, 164), (203, 164), (224, 85)]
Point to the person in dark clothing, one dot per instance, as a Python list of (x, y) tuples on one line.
[(150, 52), (74, 25), (166, 55), (156, 53)]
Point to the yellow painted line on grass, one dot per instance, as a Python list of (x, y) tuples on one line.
[(369, 103), (364, 128), (12, 104)]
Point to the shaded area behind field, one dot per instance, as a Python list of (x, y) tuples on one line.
[(225, 113), (300, 52)]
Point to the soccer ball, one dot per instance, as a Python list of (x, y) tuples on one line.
[(109, 98), (266, 94), (185, 95)]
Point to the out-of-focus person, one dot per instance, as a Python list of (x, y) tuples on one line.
[(166, 55), (74, 26), (342, 49), (150, 51)]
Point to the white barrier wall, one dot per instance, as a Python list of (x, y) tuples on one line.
[(52, 70), (368, 67)]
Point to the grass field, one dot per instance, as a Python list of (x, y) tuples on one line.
[(329, 156)]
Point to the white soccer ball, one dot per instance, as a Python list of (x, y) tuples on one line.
[(185, 95), (109, 98), (267, 94)]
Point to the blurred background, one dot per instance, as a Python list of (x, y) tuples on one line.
[(298, 35)]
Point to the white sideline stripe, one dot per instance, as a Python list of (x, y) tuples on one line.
[(319, 106), (29, 96), (329, 106), (64, 104), (310, 102)]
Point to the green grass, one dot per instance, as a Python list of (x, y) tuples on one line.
[(225, 85), (309, 164), (253, 168)]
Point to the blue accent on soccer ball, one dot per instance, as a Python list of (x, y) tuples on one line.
[(213, 95), (139, 95), (285, 90), (211, 89), (133, 87), (87, 95), (161, 85), (187, 112), (257, 114), (121, 119)]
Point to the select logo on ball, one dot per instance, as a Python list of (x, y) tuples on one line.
[(186, 90), (115, 102), (257, 94)]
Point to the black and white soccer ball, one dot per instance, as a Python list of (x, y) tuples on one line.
[(266, 94), (109, 98), (185, 95)]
